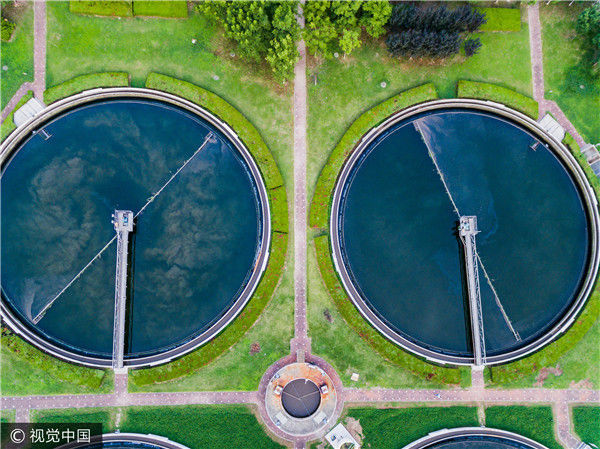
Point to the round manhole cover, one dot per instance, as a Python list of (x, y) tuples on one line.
[(301, 398)]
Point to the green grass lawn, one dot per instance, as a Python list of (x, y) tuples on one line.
[(586, 422), (195, 426), (561, 55), (534, 422), (7, 415), (353, 85), (389, 428), (17, 56), (28, 371)]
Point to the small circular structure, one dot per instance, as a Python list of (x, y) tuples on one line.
[(125, 441), (300, 399), (200, 241), (395, 231), (474, 438)]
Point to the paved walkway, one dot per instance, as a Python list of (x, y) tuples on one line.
[(39, 61), (537, 72), (301, 342)]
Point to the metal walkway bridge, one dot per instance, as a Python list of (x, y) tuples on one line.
[(468, 230), (123, 222)]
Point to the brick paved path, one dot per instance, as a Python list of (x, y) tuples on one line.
[(25, 87)]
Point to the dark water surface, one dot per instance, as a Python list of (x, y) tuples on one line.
[(478, 442), (193, 249), (399, 230)]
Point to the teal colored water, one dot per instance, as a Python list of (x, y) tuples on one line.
[(400, 240), (193, 248)]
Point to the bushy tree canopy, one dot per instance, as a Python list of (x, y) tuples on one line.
[(332, 26), (262, 29), (588, 26)]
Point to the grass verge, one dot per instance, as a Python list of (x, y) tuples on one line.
[(165, 8), (576, 94), (85, 82), (501, 19), (279, 240), (28, 371), (494, 92), (534, 422), (397, 427), (586, 422), (8, 125), (17, 55)]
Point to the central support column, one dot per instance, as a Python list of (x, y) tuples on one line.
[(467, 231), (123, 222)]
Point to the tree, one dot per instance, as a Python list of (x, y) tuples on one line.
[(338, 25), (261, 29), (588, 26), (472, 46)]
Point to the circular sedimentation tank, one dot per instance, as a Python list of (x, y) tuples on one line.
[(301, 398), (201, 231), (125, 441), (474, 438), (395, 234)]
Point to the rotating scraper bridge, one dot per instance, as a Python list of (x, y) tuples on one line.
[(124, 224)]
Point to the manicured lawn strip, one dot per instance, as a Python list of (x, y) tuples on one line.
[(85, 82), (586, 421), (321, 203), (501, 19), (7, 415), (120, 8), (8, 125), (164, 8), (197, 426), (572, 145), (226, 112), (17, 56), (494, 92), (534, 422), (385, 348), (279, 212), (104, 415), (561, 56), (28, 371), (396, 427)]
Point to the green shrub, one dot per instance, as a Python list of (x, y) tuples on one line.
[(535, 422), (321, 202), (165, 8), (501, 19), (572, 145), (279, 238), (586, 421), (85, 82), (7, 29), (8, 125), (494, 92), (120, 8)]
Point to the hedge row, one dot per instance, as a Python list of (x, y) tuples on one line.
[(573, 146), (586, 421), (494, 92), (356, 321), (85, 82), (501, 19), (129, 8), (68, 372), (226, 112), (279, 237), (8, 125), (321, 203), (535, 422)]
